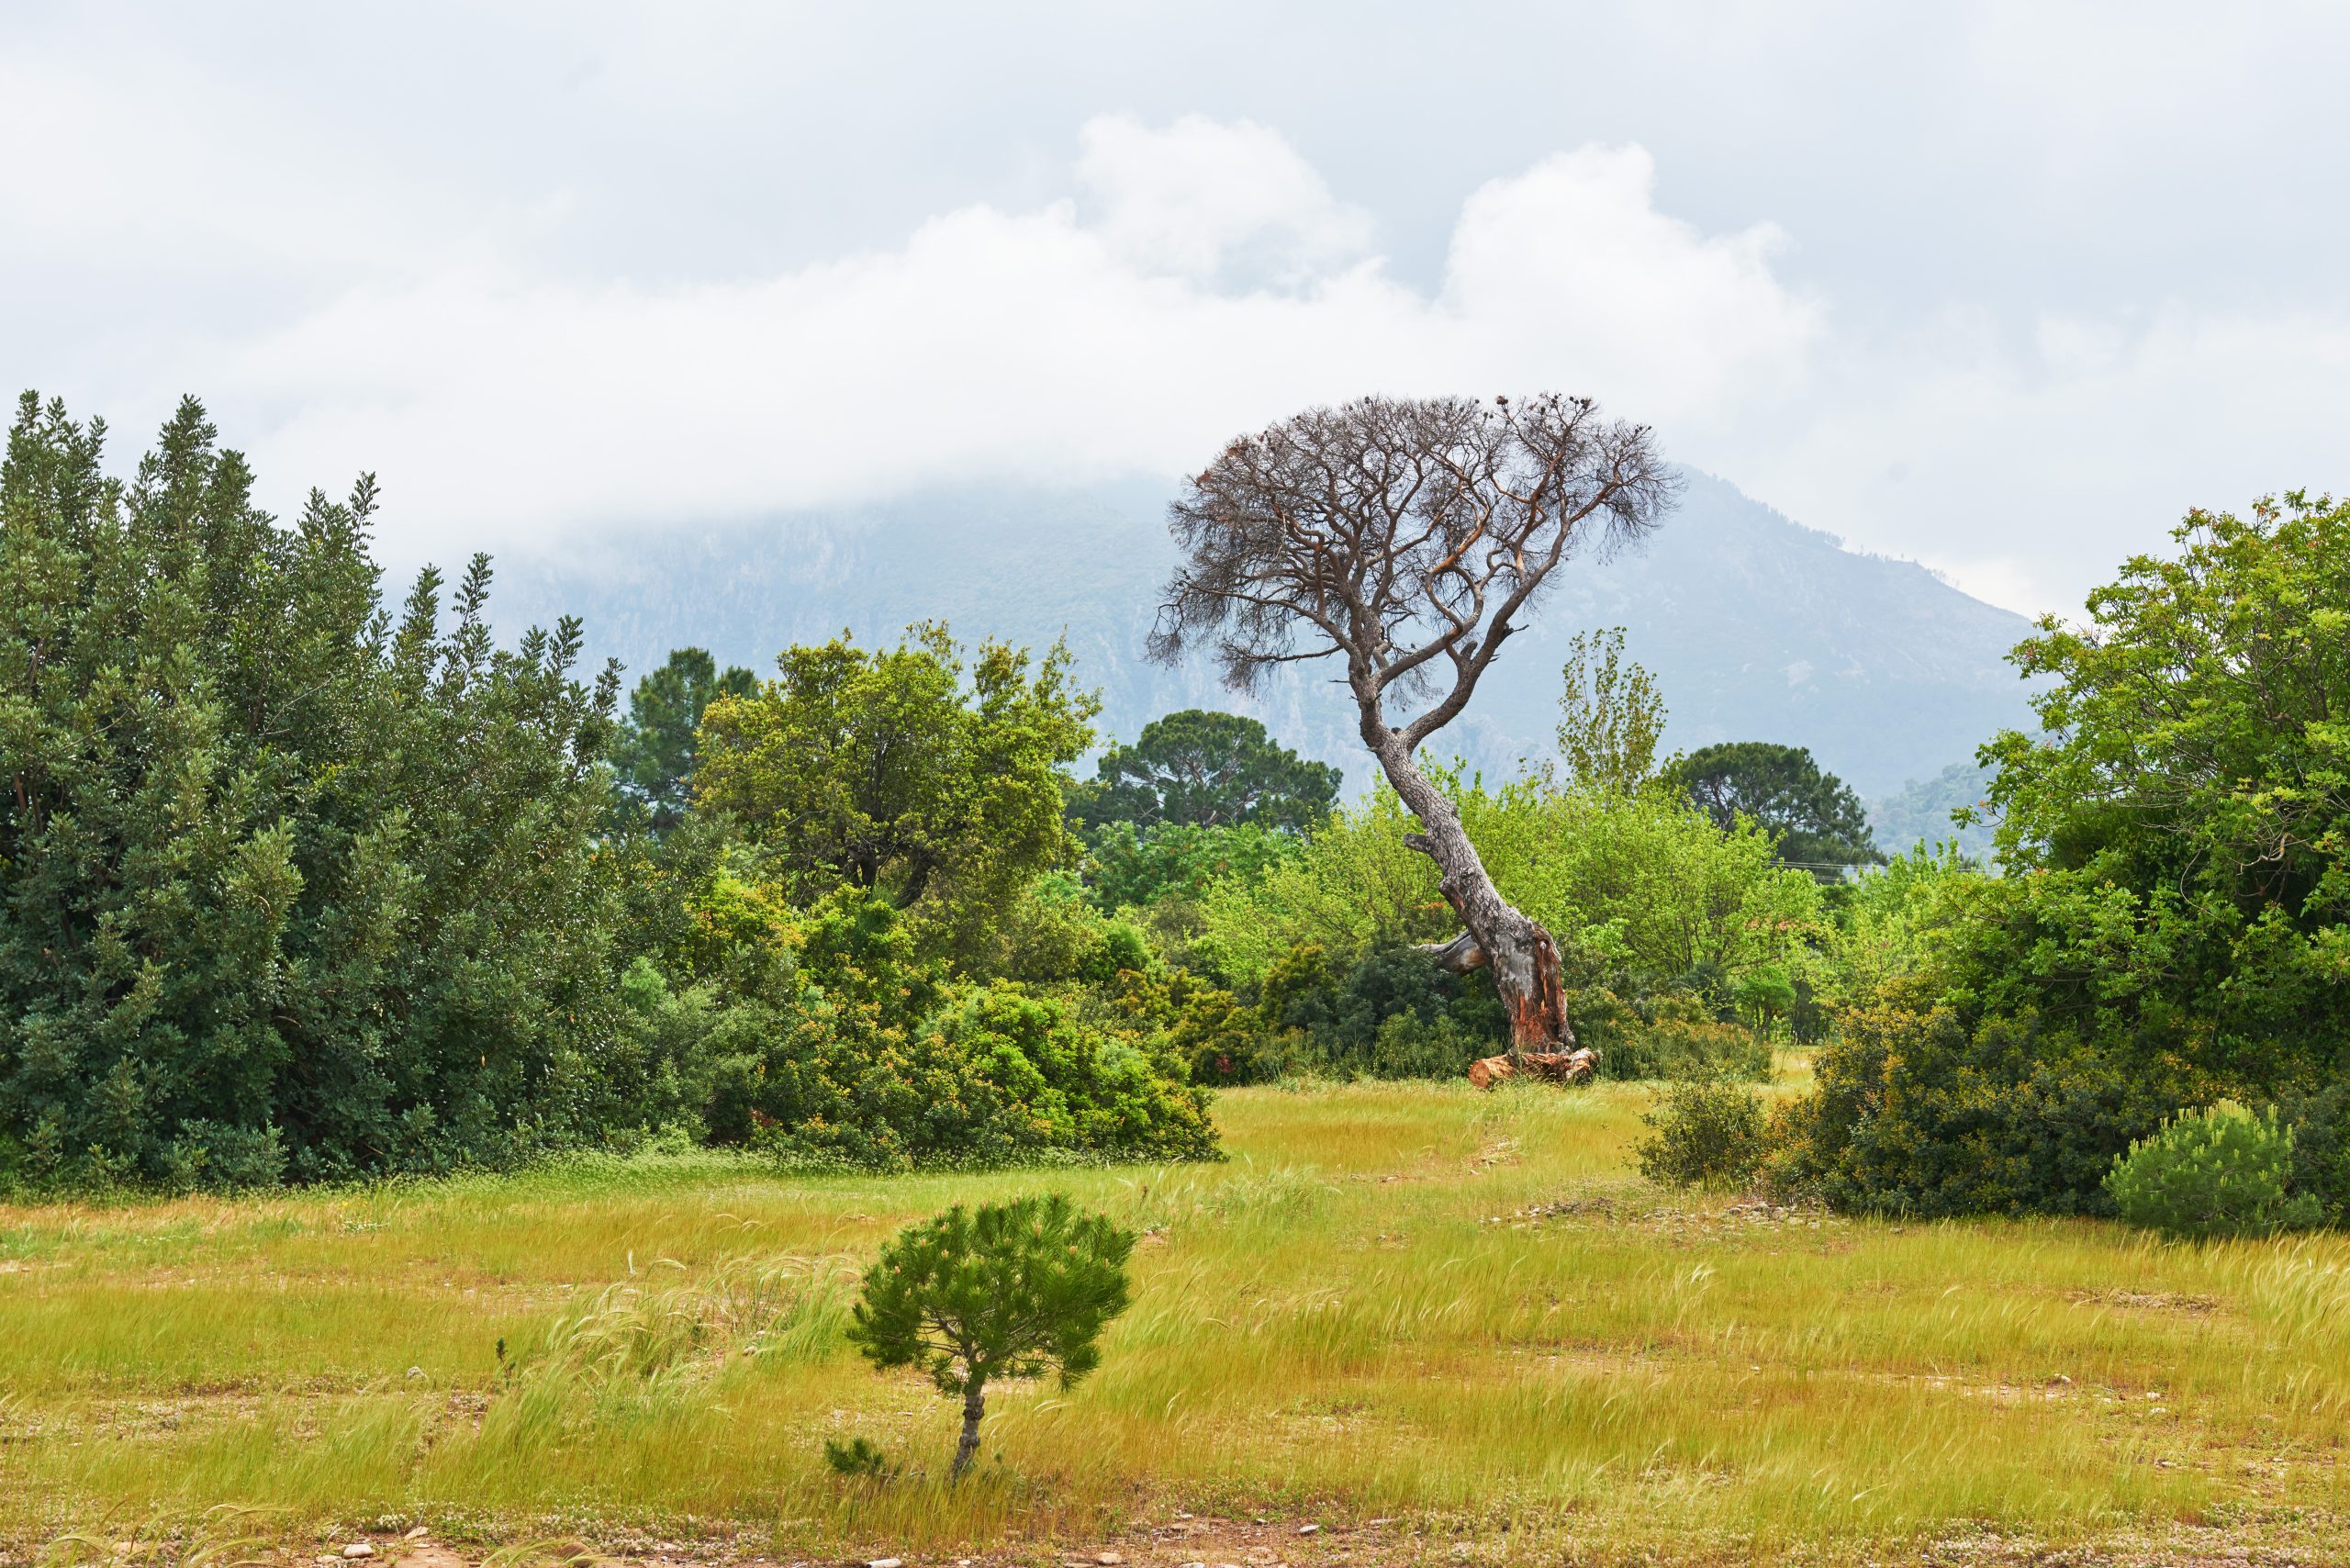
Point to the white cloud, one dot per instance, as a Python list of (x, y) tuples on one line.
[(1571, 265), (1200, 199), (1185, 281), (2016, 468), (1076, 342)]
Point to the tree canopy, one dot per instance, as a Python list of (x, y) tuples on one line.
[(1007, 1290), (654, 747), (1200, 769), (2187, 804), (1610, 715), (895, 770), (2174, 926), (287, 886), (1816, 817)]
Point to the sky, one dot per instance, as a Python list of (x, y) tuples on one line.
[(2002, 288)]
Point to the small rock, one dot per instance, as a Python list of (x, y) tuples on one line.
[(1309, 1529), (416, 1372), (358, 1549), (1108, 1558), (2060, 1381), (418, 1533), (887, 1562)]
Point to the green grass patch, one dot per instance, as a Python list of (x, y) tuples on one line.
[(1411, 1301)]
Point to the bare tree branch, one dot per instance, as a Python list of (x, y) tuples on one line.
[(1409, 538)]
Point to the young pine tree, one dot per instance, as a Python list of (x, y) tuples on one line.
[(1004, 1290)]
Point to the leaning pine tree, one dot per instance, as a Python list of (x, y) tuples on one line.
[(1410, 540)]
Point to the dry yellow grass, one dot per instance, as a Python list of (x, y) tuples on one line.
[(1411, 1301)]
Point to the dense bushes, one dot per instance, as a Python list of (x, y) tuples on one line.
[(2320, 1124), (295, 889), (2175, 924), (287, 886), (859, 1046), (1916, 1111), (2181, 827), (1640, 887), (1663, 921)]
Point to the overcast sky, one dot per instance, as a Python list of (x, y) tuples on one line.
[(2005, 288)]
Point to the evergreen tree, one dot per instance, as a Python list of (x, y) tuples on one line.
[(1200, 769), (1814, 816), (288, 886), (1010, 1290), (655, 748)]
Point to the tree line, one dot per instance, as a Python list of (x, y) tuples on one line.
[(298, 885)]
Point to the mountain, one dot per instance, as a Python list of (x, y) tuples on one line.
[(1921, 814), (1756, 627)]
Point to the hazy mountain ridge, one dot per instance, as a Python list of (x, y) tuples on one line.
[(1757, 627)]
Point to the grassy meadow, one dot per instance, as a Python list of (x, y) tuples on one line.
[(1433, 1323)]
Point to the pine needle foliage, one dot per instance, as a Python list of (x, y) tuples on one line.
[(1012, 1290), (2220, 1170)]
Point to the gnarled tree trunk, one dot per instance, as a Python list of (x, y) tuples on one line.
[(1409, 538), (1521, 954)]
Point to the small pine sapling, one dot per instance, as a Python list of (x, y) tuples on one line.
[(1004, 1290)]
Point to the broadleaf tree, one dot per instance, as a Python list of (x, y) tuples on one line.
[(2178, 834), (1408, 541), (900, 771), (1611, 715)]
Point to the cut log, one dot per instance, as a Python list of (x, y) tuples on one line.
[(1552, 1067)]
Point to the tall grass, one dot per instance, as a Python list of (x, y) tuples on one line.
[(1400, 1300)]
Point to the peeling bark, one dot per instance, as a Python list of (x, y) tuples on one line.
[(1497, 936), (1411, 539)]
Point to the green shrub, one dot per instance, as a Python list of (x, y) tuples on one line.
[(859, 1459), (2320, 1124), (1916, 1112), (2217, 1172), (1390, 1014), (1003, 1290), (1673, 1047), (300, 884), (1704, 1135), (1129, 866), (885, 1063)]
